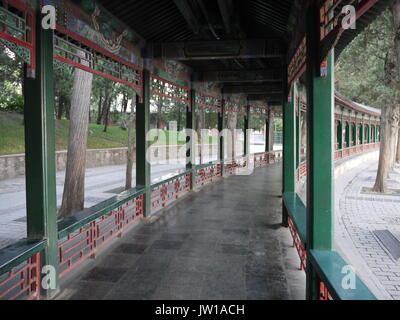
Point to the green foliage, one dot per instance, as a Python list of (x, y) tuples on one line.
[(10, 82), (278, 125), (360, 69), (12, 104)]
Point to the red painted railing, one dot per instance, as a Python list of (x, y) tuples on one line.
[(170, 190), (208, 174), (23, 281), (301, 250), (323, 292), (301, 172), (83, 243)]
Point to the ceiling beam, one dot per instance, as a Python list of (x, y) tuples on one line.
[(226, 9), (240, 76), (226, 49), (189, 15), (268, 90)]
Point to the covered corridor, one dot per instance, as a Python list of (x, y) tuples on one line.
[(223, 242), (210, 230)]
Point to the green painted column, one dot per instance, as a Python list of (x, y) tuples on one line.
[(320, 200), (289, 149), (362, 130), (190, 138), (41, 200), (246, 132), (267, 132), (143, 177), (298, 132), (221, 140), (341, 128)]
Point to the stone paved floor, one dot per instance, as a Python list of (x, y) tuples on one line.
[(361, 214), (223, 242)]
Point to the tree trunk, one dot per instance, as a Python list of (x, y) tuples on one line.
[(232, 124), (104, 107), (398, 147), (131, 145), (74, 186), (390, 113), (388, 133), (99, 108), (107, 115)]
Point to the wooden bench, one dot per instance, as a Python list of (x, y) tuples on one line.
[(295, 210)]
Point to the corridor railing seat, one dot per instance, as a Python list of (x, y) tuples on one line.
[(86, 216), (297, 221), (20, 270), (331, 270)]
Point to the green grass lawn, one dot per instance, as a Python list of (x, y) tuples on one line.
[(12, 135)]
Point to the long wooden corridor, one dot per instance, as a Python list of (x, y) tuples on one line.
[(223, 242)]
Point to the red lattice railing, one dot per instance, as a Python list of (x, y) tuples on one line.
[(298, 244), (83, 243), (170, 190), (261, 160), (22, 282), (323, 292), (208, 174)]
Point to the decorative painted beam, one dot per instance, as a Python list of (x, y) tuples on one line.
[(268, 90), (241, 76), (207, 50)]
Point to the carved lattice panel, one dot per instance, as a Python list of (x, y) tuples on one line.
[(78, 52), (207, 101), (259, 111), (17, 31), (232, 106), (168, 89), (297, 65)]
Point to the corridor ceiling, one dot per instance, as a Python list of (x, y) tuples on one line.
[(256, 37)]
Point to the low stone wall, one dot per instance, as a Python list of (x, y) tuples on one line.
[(12, 166), (341, 167), (347, 164)]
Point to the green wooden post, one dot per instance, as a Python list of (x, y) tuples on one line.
[(298, 115), (341, 126), (267, 133), (246, 132), (190, 138), (289, 149), (362, 129), (320, 203), (41, 199), (143, 177), (369, 132), (221, 140)]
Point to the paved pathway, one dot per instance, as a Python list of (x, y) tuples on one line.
[(223, 242), (359, 215)]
